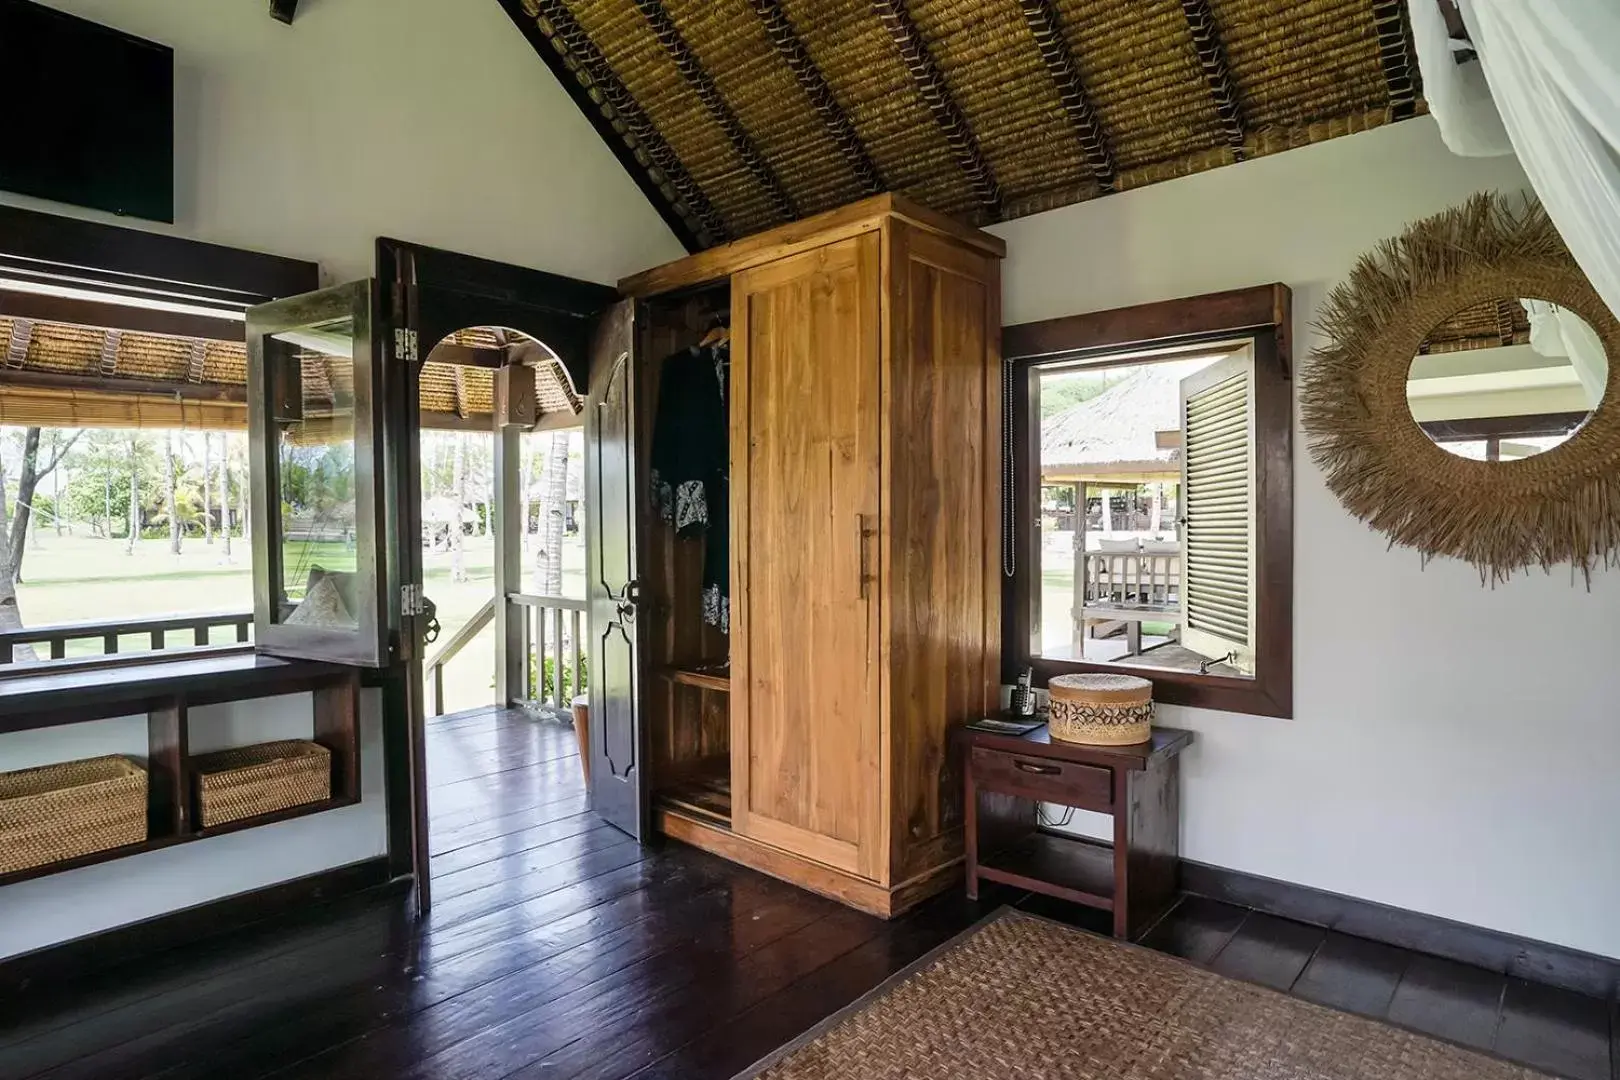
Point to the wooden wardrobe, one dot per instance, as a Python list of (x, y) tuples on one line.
[(865, 502)]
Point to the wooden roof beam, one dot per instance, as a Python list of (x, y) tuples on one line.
[(702, 84), (22, 332), (1206, 37), (1042, 20), (1395, 53), (936, 95), (585, 73), (788, 45), (194, 372)]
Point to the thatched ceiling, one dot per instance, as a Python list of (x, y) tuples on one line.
[(60, 374), (737, 115)]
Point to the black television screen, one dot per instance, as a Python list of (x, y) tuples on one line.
[(88, 113)]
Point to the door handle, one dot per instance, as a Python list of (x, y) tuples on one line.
[(866, 532), (1038, 770)]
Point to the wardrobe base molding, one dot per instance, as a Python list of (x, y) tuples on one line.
[(883, 901)]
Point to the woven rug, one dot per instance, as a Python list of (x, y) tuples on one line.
[(1022, 998)]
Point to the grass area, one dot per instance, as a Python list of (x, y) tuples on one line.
[(75, 578)]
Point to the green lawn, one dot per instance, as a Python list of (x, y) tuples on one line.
[(82, 579)]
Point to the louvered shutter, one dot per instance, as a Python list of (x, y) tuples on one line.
[(1217, 483)]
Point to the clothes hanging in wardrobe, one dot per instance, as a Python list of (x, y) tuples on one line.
[(691, 465)]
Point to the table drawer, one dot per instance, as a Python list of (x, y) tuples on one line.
[(1085, 786)]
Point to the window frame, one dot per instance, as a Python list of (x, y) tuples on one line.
[(1263, 315)]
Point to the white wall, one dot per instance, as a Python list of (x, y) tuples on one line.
[(65, 906), (1454, 748), (427, 120)]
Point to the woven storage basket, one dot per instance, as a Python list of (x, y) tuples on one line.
[(253, 780), (75, 808), (1103, 710)]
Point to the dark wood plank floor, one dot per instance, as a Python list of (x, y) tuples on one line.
[(559, 949)]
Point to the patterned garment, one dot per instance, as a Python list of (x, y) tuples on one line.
[(691, 461)]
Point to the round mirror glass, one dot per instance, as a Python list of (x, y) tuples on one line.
[(1506, 379)]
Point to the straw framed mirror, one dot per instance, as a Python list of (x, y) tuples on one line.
[(1447, 409)]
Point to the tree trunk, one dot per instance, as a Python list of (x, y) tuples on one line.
[(225, 493), (554, 513), (169, 501), (242, 486), (14, 530), (134, 495), (27, 481), (56, 486), (106, 502), (458, 481), (10, 614), (525, 478), (207, 488)]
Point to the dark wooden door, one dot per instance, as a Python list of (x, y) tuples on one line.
[(617, 746)]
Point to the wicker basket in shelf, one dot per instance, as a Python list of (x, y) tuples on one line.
[(249, 781), (71, 809)]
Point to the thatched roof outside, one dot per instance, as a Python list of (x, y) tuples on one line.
[(59, 374), (738, 115), (1115, 435), (1488, 325)]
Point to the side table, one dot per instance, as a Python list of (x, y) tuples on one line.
[(1135, 877)]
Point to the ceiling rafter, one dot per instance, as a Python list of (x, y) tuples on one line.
[(22, 332), (785, 40), (937, 96), (194, 369), (614, 103), (1206, 37), (1042, 20), (702, 84), (1395, 52)]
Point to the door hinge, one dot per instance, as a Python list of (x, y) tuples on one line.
[(411, 602), (405, 344)]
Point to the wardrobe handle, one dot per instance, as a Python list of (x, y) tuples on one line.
[(866, 534)]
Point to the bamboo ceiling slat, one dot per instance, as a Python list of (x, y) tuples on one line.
[(68, 349), (729, 38), (995, 72), (1142, 74), (855, 53), (646, 70), (1299, 62)]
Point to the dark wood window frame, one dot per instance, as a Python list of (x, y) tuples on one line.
[(1261, 314)]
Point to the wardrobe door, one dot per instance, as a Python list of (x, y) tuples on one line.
[(805, 545)]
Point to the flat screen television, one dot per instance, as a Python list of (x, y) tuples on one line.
[(88, 114)]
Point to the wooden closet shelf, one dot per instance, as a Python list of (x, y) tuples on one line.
[(708, 680)]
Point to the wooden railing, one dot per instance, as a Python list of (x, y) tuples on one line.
[(447, 652), (1133, 580), (55, 637), (567, 652), (551, 630)]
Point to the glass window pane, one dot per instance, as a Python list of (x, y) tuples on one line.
[(312, 389), (1111, 543)]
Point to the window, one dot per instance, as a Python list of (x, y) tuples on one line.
[(1152, 498)]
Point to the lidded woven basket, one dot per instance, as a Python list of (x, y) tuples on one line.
[(1102, 710)]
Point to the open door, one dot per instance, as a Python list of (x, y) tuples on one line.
[(617, 747), (1217, 485)]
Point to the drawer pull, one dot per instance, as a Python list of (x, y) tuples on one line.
[(1039, 770)]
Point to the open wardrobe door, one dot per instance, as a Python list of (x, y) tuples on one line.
[(617, 750)]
